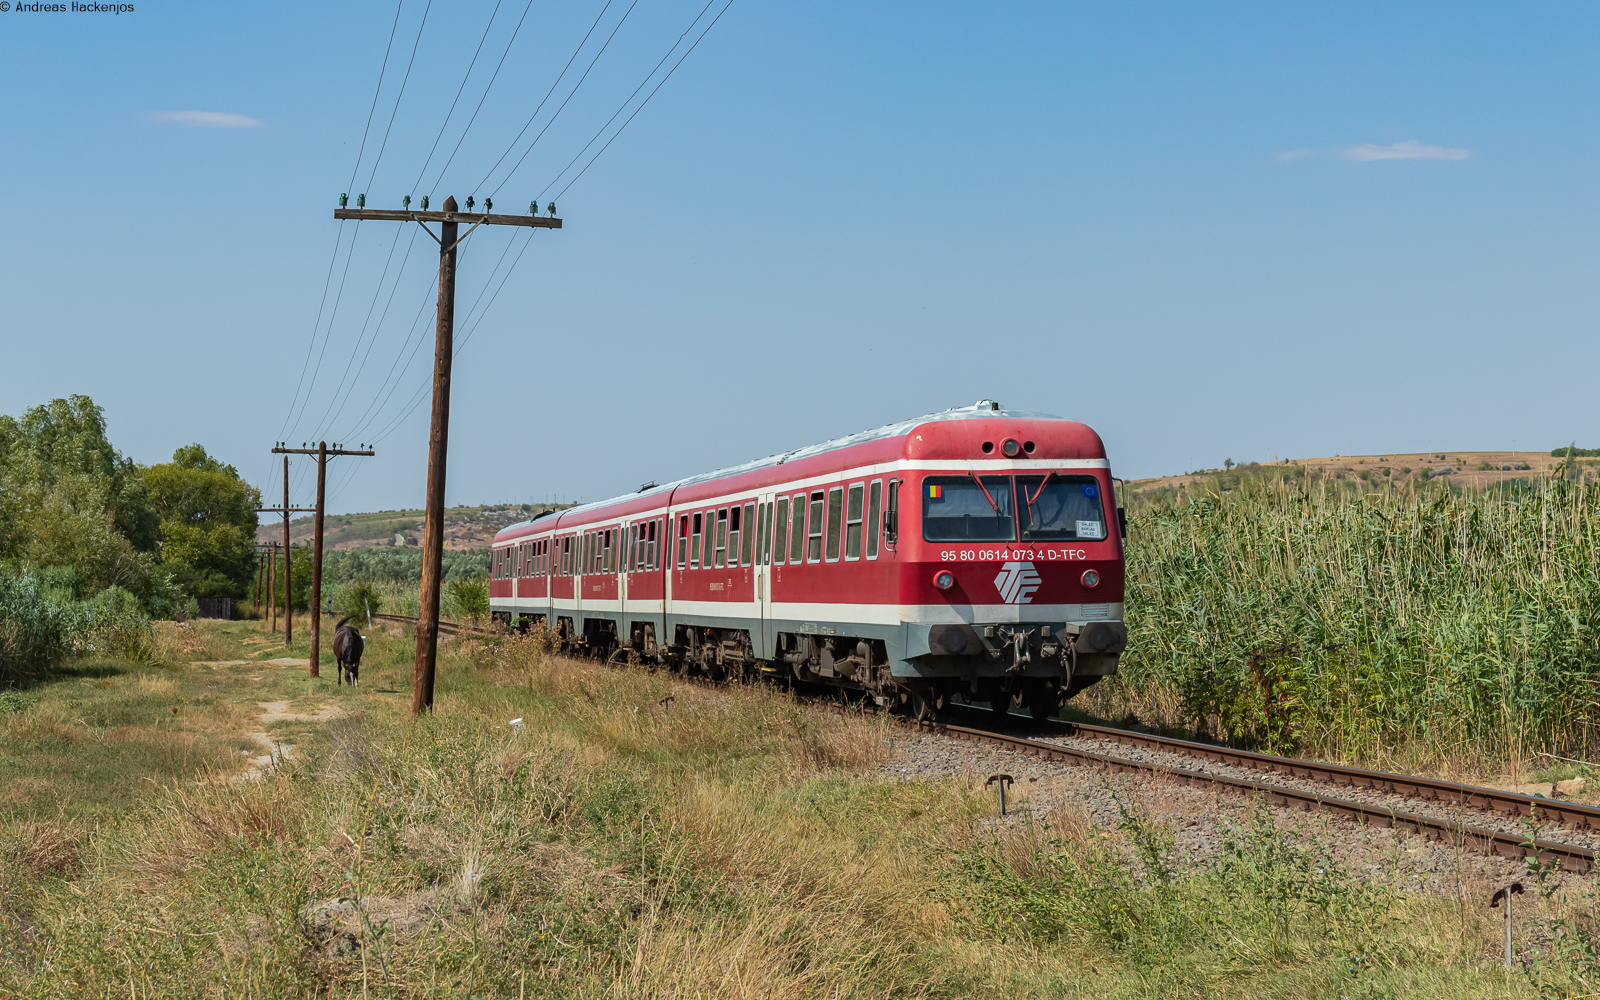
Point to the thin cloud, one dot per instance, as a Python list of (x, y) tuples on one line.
[(1292, 154), (206, 119), (1409, 150)]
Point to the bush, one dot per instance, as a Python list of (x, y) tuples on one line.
[(470, 595), (34, 631), (357, 600)]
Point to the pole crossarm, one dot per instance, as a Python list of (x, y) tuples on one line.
[(471, 218), (291, 510), (314, 451)]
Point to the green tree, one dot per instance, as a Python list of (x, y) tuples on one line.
[(68, 498), (207, 522)]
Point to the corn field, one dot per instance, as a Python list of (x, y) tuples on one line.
[(1301, 620)]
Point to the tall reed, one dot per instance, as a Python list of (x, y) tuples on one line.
[(1293, 616)]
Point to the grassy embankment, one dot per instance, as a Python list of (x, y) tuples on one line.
[(722, 843), (1410, 627)]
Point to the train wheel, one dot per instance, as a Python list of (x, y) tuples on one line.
[(1043, 701)]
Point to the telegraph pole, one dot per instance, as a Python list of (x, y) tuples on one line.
[(439, 429), (286, 510), (323, 453), (272, 584)]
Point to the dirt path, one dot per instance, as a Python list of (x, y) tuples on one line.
[(280, 750)]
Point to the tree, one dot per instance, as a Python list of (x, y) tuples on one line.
[(68, 498), (207, 522)]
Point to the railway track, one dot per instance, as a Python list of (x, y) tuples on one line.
[(445, 628), (1454, 832)]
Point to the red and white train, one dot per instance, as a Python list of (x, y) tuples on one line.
[(975, 552)]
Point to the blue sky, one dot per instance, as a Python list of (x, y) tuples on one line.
[(1208, 230)]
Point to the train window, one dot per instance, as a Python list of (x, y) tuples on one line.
[(1056, 507), (747, 538), (854, 510), (566, 556), (722, 537), (797, 533), (763, 532), (652, 557), (874, 504), (608, 562), (814, 530), (694, 543), (965, 509), (835, 508), (683, 541), (736, 530), (780, 523)]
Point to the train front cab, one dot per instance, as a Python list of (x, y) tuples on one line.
[(1011, 585)]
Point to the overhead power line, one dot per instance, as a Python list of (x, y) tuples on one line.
[(402, 93), (543, 100), (485, 96), (624, 106), (640, 108), (354, 168), (459, 90)]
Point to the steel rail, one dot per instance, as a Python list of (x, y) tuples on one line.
[(1505, 845), (445, 628), (1511, 804)]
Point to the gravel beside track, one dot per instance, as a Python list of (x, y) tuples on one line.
[(1199, 817)]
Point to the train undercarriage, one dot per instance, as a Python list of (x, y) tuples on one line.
[(1007, 668)]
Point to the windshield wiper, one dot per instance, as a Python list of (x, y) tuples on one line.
[(986, 495)]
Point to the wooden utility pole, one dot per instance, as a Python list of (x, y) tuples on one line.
[(323, 453), (272, 585), (288, 575), (439, 429), (261, 569)]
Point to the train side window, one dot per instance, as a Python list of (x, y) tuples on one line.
[(891, 515), (763, 532), (780, 524), (797, 532), (748, 541), (608, 552), (854, 511), (738, 527), (835, 521), (683, 541), (814, 530), (694, 543), (722, 537), (650, 555), (874, 506)]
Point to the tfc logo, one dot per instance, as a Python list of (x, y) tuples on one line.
[(1017, 582)]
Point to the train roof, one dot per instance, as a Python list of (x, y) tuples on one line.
[(983, 409)]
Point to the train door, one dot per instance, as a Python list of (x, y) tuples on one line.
[(628, 541), (763, 574)]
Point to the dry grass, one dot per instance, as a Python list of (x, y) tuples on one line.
[(723, 843)]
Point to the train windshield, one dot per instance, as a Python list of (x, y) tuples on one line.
[(1058, 507), (967, 509)]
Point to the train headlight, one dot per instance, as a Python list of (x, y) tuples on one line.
[(944, 579), (1011, 448), (1091, 578)]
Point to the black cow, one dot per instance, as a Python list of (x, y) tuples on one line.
[(347, 648)]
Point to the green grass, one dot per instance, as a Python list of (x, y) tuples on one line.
[(732, 844)]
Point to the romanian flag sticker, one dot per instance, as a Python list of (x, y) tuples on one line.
[(935, 492)]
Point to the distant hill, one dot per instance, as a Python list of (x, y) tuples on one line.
[(1470, 469), (464, 527)]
